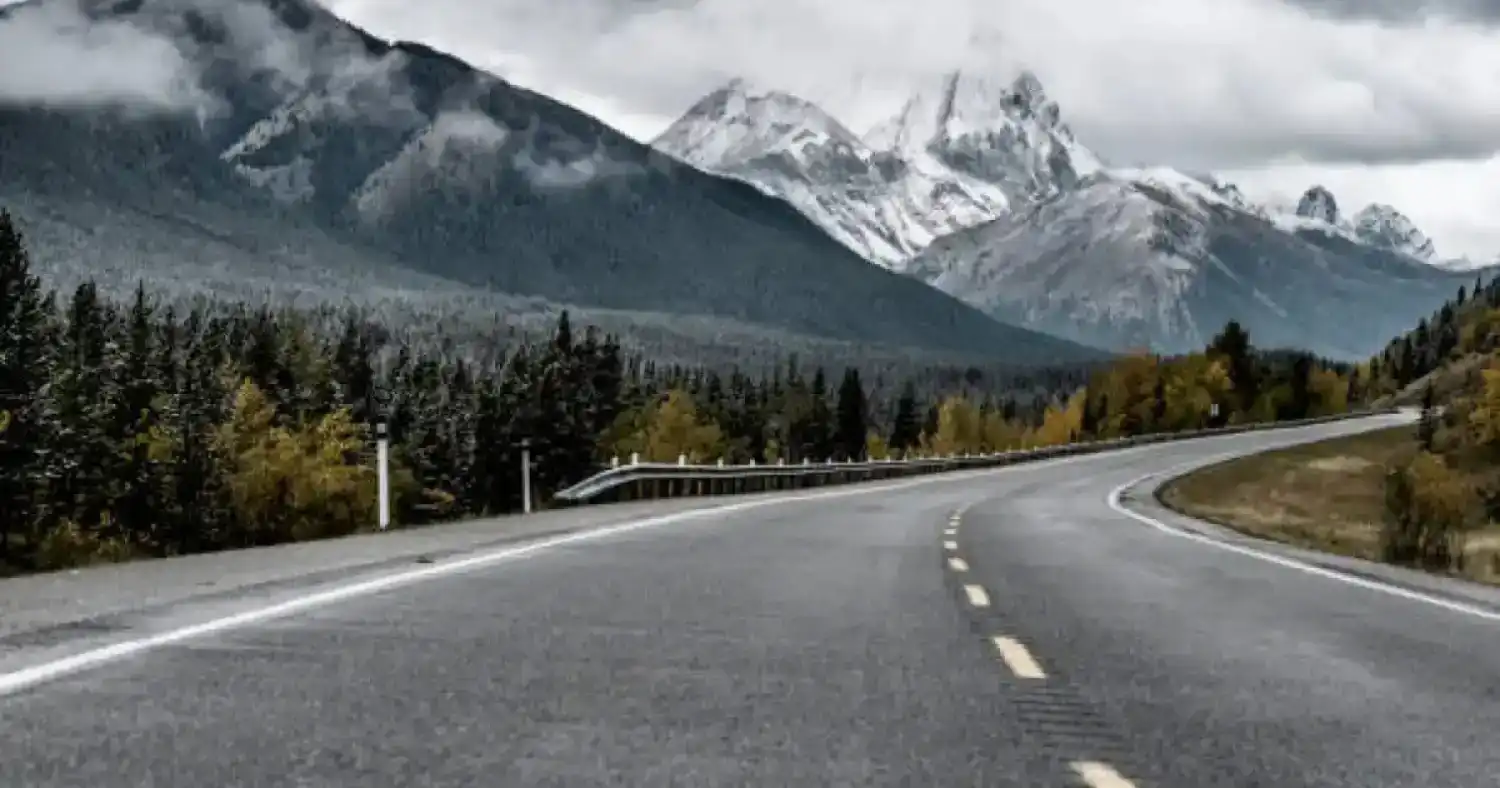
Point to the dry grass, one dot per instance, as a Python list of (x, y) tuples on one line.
[(1326, 496)]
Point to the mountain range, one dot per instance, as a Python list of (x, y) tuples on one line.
[(299, 152), (980, 188), (292, 153)]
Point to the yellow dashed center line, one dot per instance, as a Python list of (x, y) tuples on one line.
[(977, 596), (958, 564), (950, 545), (1099, 775), (1018, 659)]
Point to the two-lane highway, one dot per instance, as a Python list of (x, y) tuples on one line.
[(988, 629)]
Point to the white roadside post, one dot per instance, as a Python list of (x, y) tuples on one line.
[(383, 474), (526, 475)]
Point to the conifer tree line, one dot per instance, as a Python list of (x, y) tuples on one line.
[(137, 428)]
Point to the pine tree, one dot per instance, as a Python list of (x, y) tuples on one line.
[(82, 467), (1427, 422), (851, 427), (136, 415), (1159, 403), (1300, 404), (24, 370), (353, 369), (930, 420), (820, 426), (1233, 344), (1089, 423), (905, 431), (1406, 366), (197, 521)]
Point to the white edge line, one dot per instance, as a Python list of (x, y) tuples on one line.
[(1289, 563), (33, 675)]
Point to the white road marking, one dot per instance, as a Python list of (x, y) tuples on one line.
[(1100, 775), (33, 675), (1018, 659), (977, 596), (950, 545), (1289, 563), (950, 532), (958, 564)]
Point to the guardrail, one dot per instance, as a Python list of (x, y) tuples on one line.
[(649, 480)]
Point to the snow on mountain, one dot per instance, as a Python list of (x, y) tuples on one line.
[(1010, 135), (1160, 259), (1377, 225), (958, 154), (875, 203), (1385, 227), (979, 188), (1318, 204)]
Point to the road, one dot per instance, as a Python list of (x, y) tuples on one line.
[(998, 628)]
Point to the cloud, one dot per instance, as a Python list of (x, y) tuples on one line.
[(1407, 11), (51, 55), (1232, 82), (1229, 85)]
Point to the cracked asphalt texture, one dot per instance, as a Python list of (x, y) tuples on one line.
[(817, 641)]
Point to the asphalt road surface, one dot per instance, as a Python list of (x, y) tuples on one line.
[(1001, 628)]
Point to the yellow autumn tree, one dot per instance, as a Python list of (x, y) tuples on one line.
[(875, 446), (772, 451), (1330, 392), (957, 428), (302, 483), (4, 421), (330, 492), (997, 434), (672, 427), (1484, 417), (1061, 423), (1429, 509)]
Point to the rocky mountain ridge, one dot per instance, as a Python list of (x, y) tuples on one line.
[(1040, 231)]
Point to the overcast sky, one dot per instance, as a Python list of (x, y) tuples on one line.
[(1389, 100)]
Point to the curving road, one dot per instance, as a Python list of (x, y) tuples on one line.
[(1018, 627)]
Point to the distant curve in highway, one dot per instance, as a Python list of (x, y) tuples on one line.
[(1039, 625)]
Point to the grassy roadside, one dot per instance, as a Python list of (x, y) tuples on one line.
[(1325, 496)]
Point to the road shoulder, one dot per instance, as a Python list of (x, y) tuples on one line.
[(1141, 498)]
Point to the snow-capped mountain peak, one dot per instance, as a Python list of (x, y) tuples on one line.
[(1319, 204), (886, 203), (1385, 227), (1376, 225), (966, 149), (740, 122), (1008, 133)]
